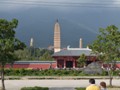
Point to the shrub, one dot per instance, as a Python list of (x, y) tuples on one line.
[(82, 74), (80, 88), (50, 72), (34, 88), (115, 73), (104, 73)]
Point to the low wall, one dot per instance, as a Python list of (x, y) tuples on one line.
[(59, 77)]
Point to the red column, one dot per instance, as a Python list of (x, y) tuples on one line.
[(73, 63), (56, 63), (64, 63)]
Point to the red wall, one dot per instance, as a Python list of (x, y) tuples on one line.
[(32, 66), (43, 65)]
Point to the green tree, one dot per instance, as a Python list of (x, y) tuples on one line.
[(8, 44), (46, 56), (107, 47), (23, 54), (38, 54), (81, 60)]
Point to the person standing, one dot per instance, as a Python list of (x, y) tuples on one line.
[(92, 85), (103, 86)]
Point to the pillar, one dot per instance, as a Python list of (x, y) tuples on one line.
[(80, 45), (73, 63), (64, 63), (56, 64)]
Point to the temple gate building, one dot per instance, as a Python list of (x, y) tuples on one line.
[(67, 58)]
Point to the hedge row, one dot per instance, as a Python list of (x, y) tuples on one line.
[(43, 88), (35, 88), (49, 72), (80, 88)]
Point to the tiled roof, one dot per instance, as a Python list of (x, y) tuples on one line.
[(33, 62), (74, 53)]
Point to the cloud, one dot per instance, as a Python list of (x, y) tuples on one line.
[(16, 4), (6, 5), (116, 2)]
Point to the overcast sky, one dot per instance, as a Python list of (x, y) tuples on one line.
[(6, 5), (74, 16)]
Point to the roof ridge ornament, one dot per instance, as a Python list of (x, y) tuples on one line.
[(68, 47)]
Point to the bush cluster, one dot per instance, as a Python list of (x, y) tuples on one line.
[(50, 72), (34, 88), (80, 88), (115, 73)]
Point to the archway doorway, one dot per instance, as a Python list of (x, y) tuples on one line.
[(69, 64)]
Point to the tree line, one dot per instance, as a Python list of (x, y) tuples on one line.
[(31, 53)]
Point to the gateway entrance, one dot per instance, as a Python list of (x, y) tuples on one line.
[(69, 64)]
